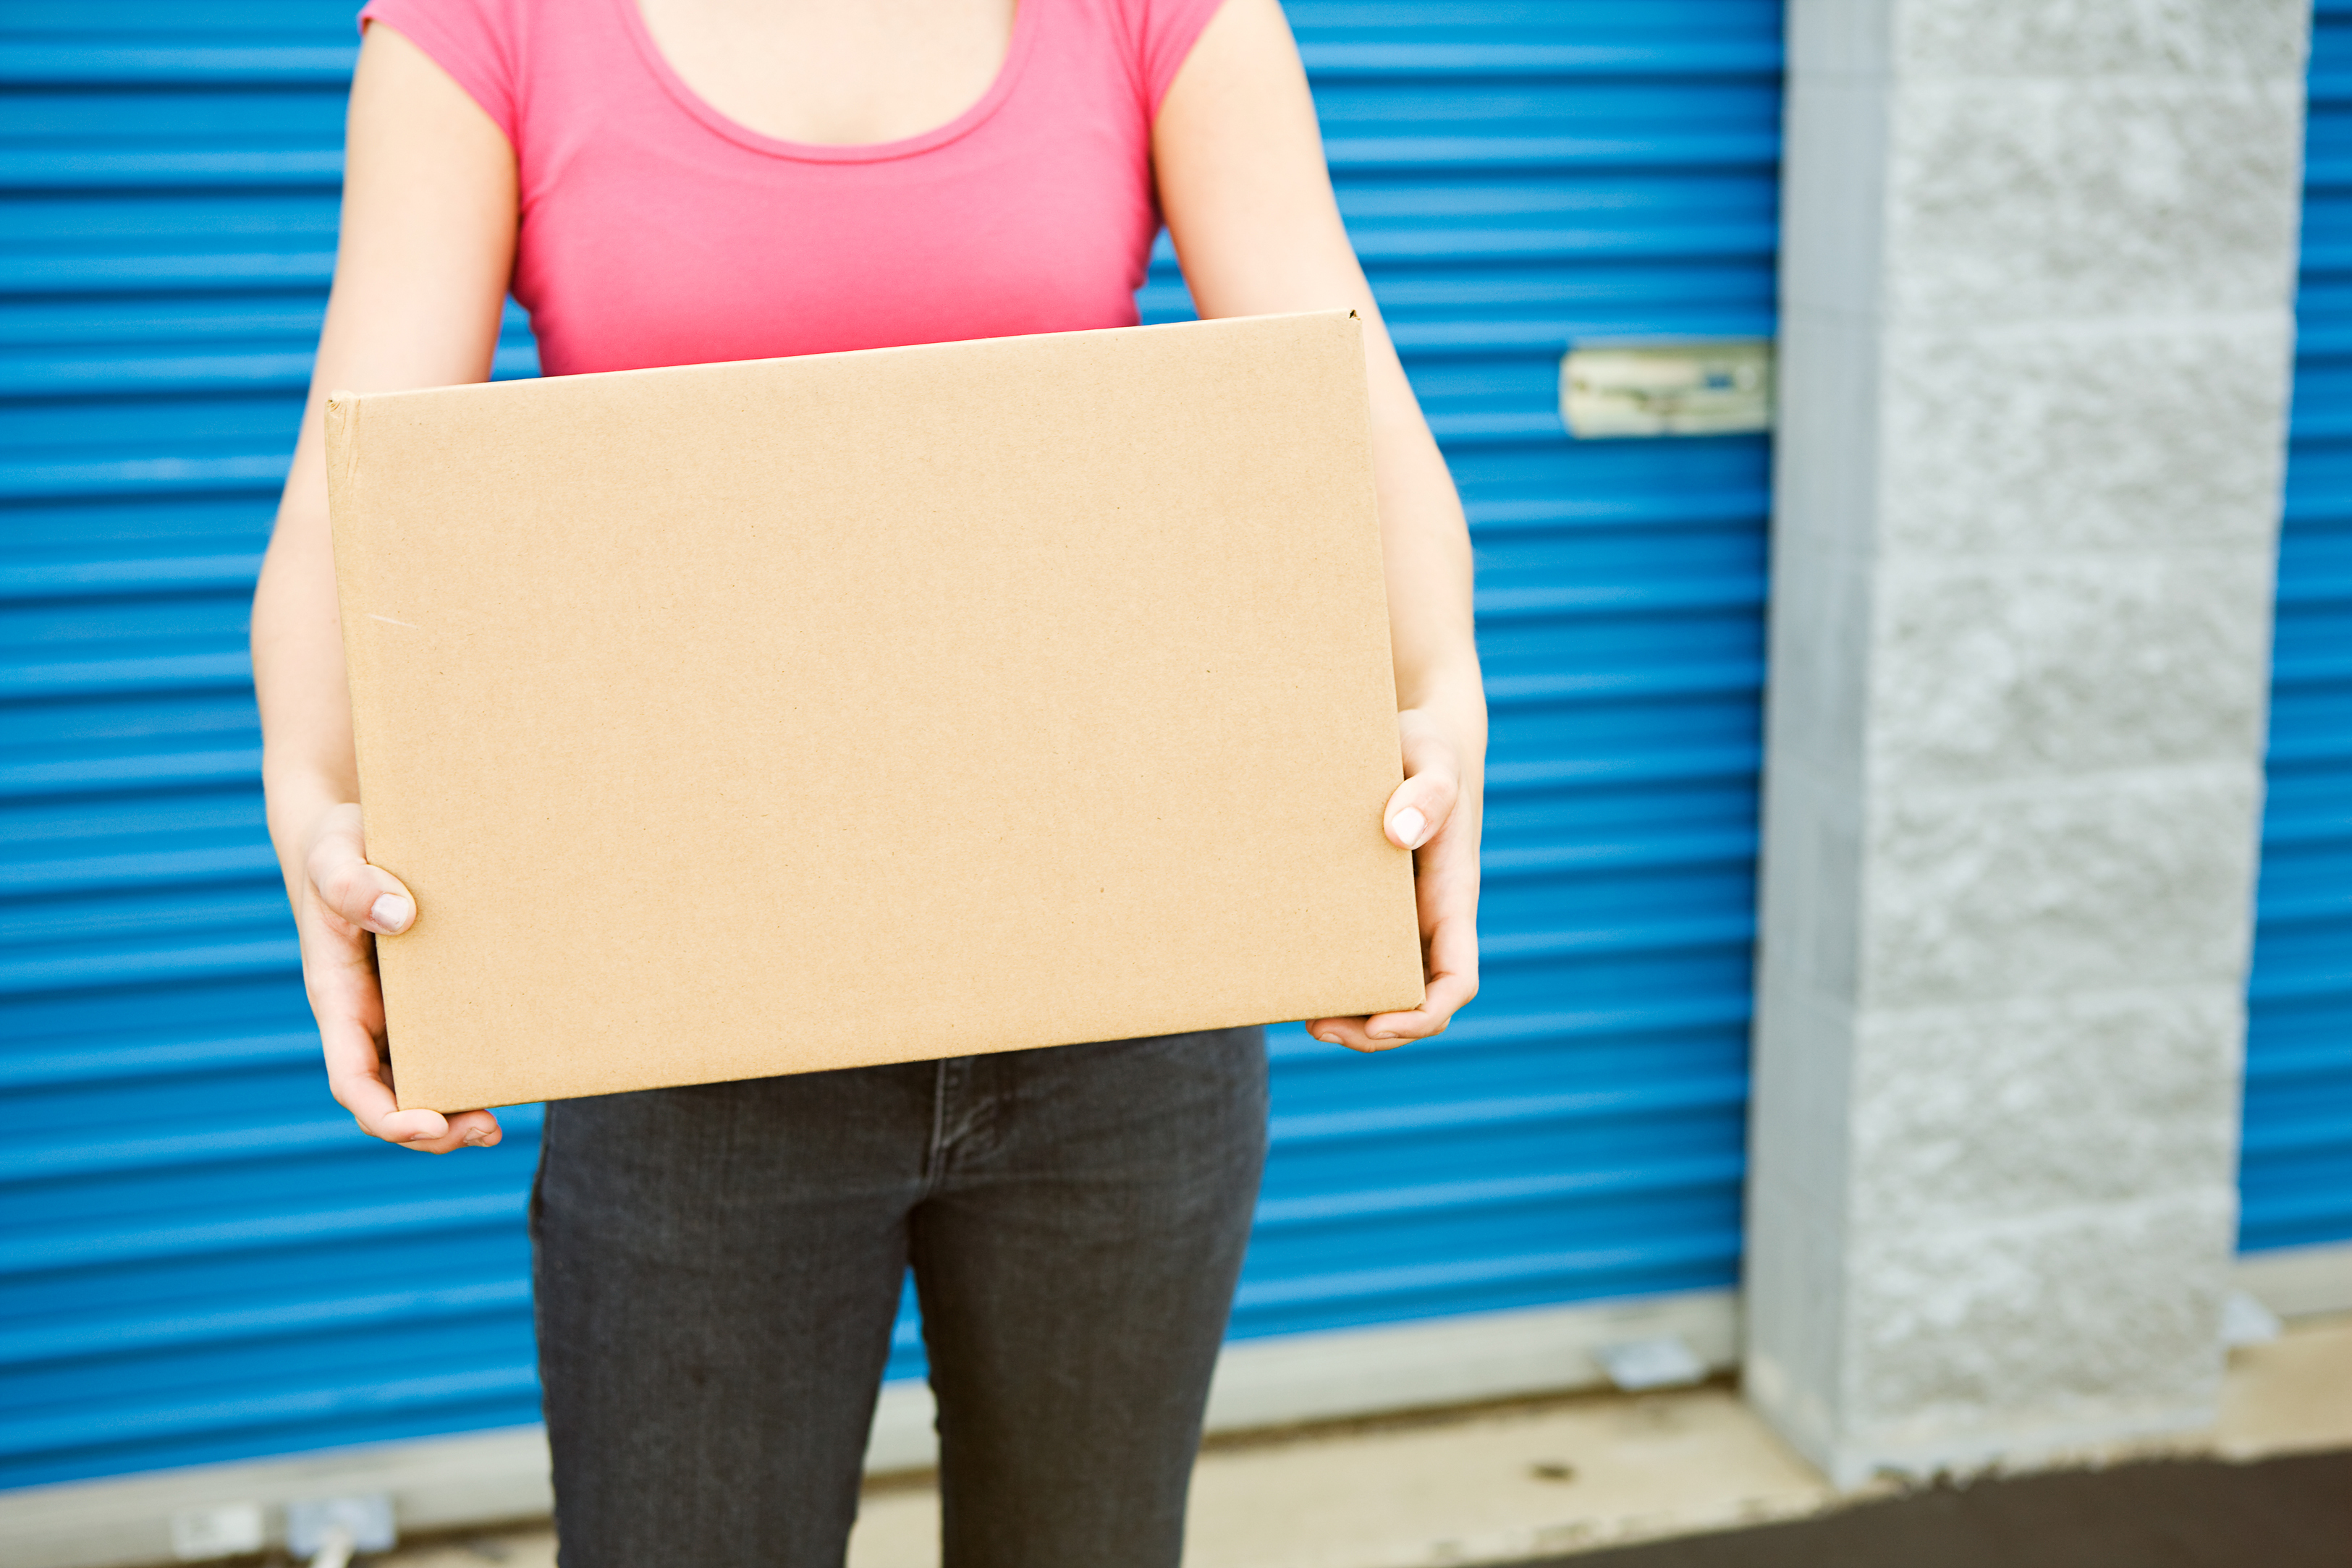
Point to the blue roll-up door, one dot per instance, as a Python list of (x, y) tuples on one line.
[(1518, 177), (2296, 1177), (201, 1259)]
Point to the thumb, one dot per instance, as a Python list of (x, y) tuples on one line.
[(367, 897), (1420, 805)]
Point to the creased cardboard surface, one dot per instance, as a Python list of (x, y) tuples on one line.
[(771, 717)]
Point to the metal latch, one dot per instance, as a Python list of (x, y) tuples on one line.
[(1711, 386)]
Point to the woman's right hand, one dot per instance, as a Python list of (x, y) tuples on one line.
[(346, 904), (422, 265)]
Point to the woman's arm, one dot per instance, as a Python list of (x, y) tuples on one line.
[(1239, 160), (420, 279)]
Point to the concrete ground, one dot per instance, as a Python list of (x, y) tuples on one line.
[(1540, 1479)]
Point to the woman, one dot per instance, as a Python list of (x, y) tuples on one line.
[(667, 182)]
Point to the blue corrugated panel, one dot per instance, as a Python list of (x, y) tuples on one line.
[(2296, 1177), (1518, 177), (200, 1260)]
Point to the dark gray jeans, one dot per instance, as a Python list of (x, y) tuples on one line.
[(717, 1268)]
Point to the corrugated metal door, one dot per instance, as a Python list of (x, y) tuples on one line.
[(2296, 1179), (200, 1260), (1518, 177)]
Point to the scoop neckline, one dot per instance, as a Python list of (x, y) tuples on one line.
[(1016, 54)]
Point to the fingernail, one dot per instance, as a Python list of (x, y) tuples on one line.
[(1407, 826), (478, 1137), (391, 912), (1330, 1039), (1383, 1034)]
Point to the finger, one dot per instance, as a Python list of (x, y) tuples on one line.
[(356, 1077), (1453, 983), (373, 1106), (1418, 807), (1433, 782), (1348, 1032), (359, 1088), (1448, 994), (365, 896), (1453, 960), (466, 1130), (368, 897), (477, 1129)]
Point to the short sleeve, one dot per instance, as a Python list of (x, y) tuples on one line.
[(1165, 31), (474, 40)]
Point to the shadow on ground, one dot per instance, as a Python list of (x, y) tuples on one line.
[(2293, 1512)]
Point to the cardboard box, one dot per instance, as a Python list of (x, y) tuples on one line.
[(739, 719)]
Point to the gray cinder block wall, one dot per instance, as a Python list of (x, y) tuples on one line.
[(2037, 288)]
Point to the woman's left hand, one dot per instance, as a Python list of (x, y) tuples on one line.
[(1435, 814)]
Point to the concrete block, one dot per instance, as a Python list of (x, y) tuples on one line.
[(1833, 201), (1829, 38), (2032, 200), (2102, 1318), (1812, 908), (1996, 1113), (2100, 38), (2132, 879), (1825, 490), (2017, 666), (1820, 641), (1802, 1102), (1797, 1319), (2037, 283), (2118, 433)]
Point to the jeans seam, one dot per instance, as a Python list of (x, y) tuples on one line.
[(935, 1157)]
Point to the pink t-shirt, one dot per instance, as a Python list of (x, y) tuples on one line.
[(655, 231)]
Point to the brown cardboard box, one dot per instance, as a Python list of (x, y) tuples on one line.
[(739, 719)]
